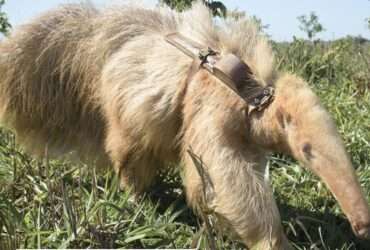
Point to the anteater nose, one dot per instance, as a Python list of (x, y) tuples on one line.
[(362, 230), (364, 233)]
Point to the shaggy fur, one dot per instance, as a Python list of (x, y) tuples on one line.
[(105, 85)]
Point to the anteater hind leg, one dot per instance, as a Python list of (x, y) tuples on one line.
[(137, 168), (138, 174)]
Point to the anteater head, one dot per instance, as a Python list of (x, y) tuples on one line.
[(296, 123)]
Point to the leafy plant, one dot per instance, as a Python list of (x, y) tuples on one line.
[(4, 23), (311, 25), (217, 7), (238, 14)]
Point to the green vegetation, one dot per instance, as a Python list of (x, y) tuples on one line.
[(217, 7), (47, 203), (4, 24), (310, 25)]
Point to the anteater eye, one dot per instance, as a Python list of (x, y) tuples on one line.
[(307, 151)]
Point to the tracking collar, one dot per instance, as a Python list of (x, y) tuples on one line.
[(233, 72)]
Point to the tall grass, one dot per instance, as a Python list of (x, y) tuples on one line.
[(46, 203)]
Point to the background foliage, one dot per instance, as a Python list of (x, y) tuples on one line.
[(47, 203), (217, 7), (310, 24), (4, 24)]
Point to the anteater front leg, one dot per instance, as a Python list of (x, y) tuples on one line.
[(236, 194)]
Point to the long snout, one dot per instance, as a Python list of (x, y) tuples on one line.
[(344, 185), (327, 158)]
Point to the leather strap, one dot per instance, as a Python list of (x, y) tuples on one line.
[(232, 71)]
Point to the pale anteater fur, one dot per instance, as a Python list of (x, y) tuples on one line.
[(105, 85)]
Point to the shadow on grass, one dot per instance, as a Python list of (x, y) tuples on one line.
[(325, 230), (169, 192)]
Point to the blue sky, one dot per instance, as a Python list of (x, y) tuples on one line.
[(339, 17)]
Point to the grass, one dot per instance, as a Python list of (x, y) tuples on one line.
[(46, 203)]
